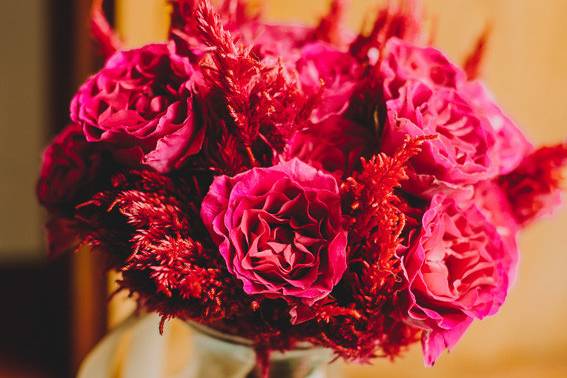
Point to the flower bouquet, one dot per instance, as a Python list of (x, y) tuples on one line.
[(295, 185)]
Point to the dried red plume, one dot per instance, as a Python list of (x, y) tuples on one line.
[(473, 62), (106, 38)]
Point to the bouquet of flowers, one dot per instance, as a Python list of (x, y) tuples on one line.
[(293, 184)]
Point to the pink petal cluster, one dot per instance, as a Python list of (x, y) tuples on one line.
[(460, 267), (428, 95), (273, 40), (70, 168), (279, 230), (334, 145), (458, 270), (330, 74), (142, 104)]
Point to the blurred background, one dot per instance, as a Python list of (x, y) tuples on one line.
[(52, 313)]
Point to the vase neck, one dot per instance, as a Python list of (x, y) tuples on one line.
[(217, 355)]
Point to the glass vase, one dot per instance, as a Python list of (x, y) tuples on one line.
[(217, 355)]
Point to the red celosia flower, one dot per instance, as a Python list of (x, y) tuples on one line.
[(399, 19), (70, 169), (378, 229), (534, 188), (331, 29), (144, 222), (262, 101), (107, 39)]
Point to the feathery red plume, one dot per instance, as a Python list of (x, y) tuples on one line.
[(534, 188), (473, 62), (376, 218), (262, 101), (107, 39), (329, 27), (401, 19)]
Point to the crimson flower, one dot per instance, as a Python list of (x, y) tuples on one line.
[(141, 104), (279, 230)]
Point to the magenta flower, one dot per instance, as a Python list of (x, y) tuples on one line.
[(403, 62), (511, 146), (141, 105), (329, 73), (334, 145), (458, 270), (275, 40), (461, 153), (428, 95), (279, 229), (70, 167)]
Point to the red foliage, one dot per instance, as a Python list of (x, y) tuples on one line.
[(534, 188), (262, 101), (400, 19), (136, 206), (105, 36), (473, 62), (329, 28), (234, 13), (147, 223), (377, 220)]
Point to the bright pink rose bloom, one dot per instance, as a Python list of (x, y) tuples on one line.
[(279, 230), (329, 73), (494, 205), (70, 166), (426, 94), (403, 62), (510, 144), (284, 41), (458, 270), (334, 145), (461, 153), (275, 40), (142, 105)]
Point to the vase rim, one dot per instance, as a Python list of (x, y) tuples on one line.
[(239, 340)]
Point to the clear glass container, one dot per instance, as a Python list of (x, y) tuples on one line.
[(217, 355)]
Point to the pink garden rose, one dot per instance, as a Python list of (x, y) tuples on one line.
[(461, 153), (329, 73), (428, 95), (334, 145), (275, 40), (511, 145), (286, 41), (491, 200), (458, 270), (70, 166), (404, 62), (279, 229), (141, 104)]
